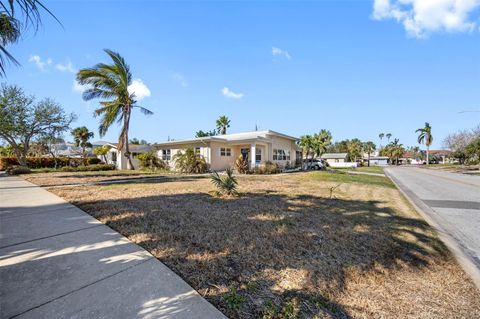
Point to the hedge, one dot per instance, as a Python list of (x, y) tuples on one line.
[(46, 162)]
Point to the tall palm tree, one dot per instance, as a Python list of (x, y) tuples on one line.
[(81, 136), (369, 147), (306, 143), (222, 124), (388, 136), (425, 137), (110, 82), (321, 141), (16, 16), (381, 136)]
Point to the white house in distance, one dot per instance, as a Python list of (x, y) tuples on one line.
[(221, 151), (116, 157)]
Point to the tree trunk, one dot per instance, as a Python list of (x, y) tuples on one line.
[(84, 156), (428, 161), (125, 140), (368, 160)]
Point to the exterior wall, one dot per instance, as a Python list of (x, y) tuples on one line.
[(218, 162), (283, 144), (176, 148)]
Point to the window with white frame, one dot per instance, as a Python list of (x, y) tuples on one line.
[(281, 155), (166, 155), (197, 150), (224, 151), (258, 155)]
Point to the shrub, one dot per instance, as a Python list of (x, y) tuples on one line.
[(267, 168), (151, 161), (16, 170), (233, 299), (241, 165), (188, 162), (227, 184), (93, 161), (40, 162)]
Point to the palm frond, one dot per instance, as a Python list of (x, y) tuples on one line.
[(144, 110)]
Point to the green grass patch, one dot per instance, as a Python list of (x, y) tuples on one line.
[(366, 169), (343, 177)]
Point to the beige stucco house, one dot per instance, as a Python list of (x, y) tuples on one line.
[(221, 151)]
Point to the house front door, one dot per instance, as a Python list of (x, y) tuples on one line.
[(245, 152)]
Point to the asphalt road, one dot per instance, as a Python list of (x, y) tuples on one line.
[(451, 200)]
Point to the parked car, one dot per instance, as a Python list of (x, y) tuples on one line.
[(315, 165)]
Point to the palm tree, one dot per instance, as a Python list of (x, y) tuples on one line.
[(321, 141), (81, 136), (12, 26), (425, 137), (394, 151), (306, 143), (381, 136), (369, 147), (388, 135), (111, 82), (222, 124)]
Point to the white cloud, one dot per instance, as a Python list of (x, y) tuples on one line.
[(420, 18), (180, 79), (230, 94), (280, 52), (138, 88), (77, 87), (66, 67), (41, 64)]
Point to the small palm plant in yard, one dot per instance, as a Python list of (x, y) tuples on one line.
[(226, 184), (241, 165)]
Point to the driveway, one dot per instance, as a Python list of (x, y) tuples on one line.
[(56, 261), (451, 203)]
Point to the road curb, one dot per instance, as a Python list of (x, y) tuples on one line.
[(465, 261)]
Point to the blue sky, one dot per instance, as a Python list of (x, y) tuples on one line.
[(295, 67)]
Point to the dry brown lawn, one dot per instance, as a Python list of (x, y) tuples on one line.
[(285, 249)]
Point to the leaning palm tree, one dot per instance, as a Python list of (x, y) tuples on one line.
[(111, 82), (425, 137), (222, 124)]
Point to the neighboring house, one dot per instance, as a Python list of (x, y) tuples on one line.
[(333, 158), (378, 160), (117, 158), (221, 151), (68, 150)]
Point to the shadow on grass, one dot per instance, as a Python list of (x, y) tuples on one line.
[(288, 247), (119, 181)]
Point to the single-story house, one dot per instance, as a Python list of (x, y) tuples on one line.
[(117, 158), (332, 158), (378, 160), (221, 151)]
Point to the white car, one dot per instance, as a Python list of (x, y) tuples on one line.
[(315, 165)]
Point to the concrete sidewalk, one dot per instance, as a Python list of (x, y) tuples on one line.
[(56, 261)]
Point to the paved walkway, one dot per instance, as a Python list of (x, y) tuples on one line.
[(450, 202), (56, 261)]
